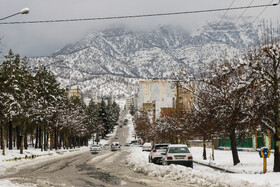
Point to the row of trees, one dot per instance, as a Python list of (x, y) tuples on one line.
[(102, 117), (32, 105), (234, 98)]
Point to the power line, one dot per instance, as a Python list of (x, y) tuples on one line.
[(227, 9), (243, 12), (262, 12), (138, 16)]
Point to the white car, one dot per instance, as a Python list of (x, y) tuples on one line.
[(178, 154), (115, 146), (147, 147), (95, 149), (106, 146), (156, 154)]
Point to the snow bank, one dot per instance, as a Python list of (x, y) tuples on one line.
[(138, 162), (8, 183)]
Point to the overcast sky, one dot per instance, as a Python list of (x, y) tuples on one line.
[(44, 38)]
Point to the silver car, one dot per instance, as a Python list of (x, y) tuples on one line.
[(115, 146), (157, 152)]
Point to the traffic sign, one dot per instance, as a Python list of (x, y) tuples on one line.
[(264, 152)]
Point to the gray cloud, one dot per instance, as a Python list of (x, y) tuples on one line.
[(43, 39)]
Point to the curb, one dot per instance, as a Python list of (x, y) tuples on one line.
[(242, 149), (215, 167), (27, 157), (35, 156)]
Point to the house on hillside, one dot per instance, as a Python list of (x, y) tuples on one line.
[(74, 92)]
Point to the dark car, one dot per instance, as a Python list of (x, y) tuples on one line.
[(125, 122)]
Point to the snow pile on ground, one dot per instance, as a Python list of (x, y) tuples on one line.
[(250, 162), (138, 162), (14, 159), (130, 129), (250, 167), (7, 183)]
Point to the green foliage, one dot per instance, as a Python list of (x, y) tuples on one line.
[(102, 117)]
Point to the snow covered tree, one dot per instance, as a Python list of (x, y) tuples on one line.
[(92, 117), (18, 86), (115, 111), (48, 93), (102, 120), (143, 127), (223, 102), (202, 116), (264, 61)]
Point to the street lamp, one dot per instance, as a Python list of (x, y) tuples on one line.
[(22, 11)]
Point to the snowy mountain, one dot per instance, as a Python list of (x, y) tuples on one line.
[(113, 60)]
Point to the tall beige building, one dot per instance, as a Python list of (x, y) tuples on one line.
[(157, 95)]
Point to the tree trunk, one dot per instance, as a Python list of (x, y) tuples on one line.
[(204, 149), (32, 138), (55, 138), (74, 142), (60, 140), (18, 137), (22, 138), (7, 138), (51, 140), (47, 140), (14, 136), (37, 137), (2, 138), (276, 167), (10, 135), (40, 137), (25, 141), (234, 147)]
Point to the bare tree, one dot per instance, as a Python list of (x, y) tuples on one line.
[(223, 102), (264, 62)]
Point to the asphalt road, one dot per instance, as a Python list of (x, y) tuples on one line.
[(81, 169)]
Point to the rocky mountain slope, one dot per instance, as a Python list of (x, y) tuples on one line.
[(112, 61)]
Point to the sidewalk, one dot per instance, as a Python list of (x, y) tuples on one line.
[(250, 162)]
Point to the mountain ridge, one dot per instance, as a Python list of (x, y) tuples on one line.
[(144, 55)]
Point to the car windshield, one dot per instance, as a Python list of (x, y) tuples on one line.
[(161, 146), (95, 145), (178, 150), (106, 145)]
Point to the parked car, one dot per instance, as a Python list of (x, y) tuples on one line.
[(156, 155), (147, 146), (95, 149), (178, 154), (136, 145), (127, 144), (125, 122), (115, 146), (106, 146)]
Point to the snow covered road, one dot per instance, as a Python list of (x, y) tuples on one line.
[(130, 167)]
